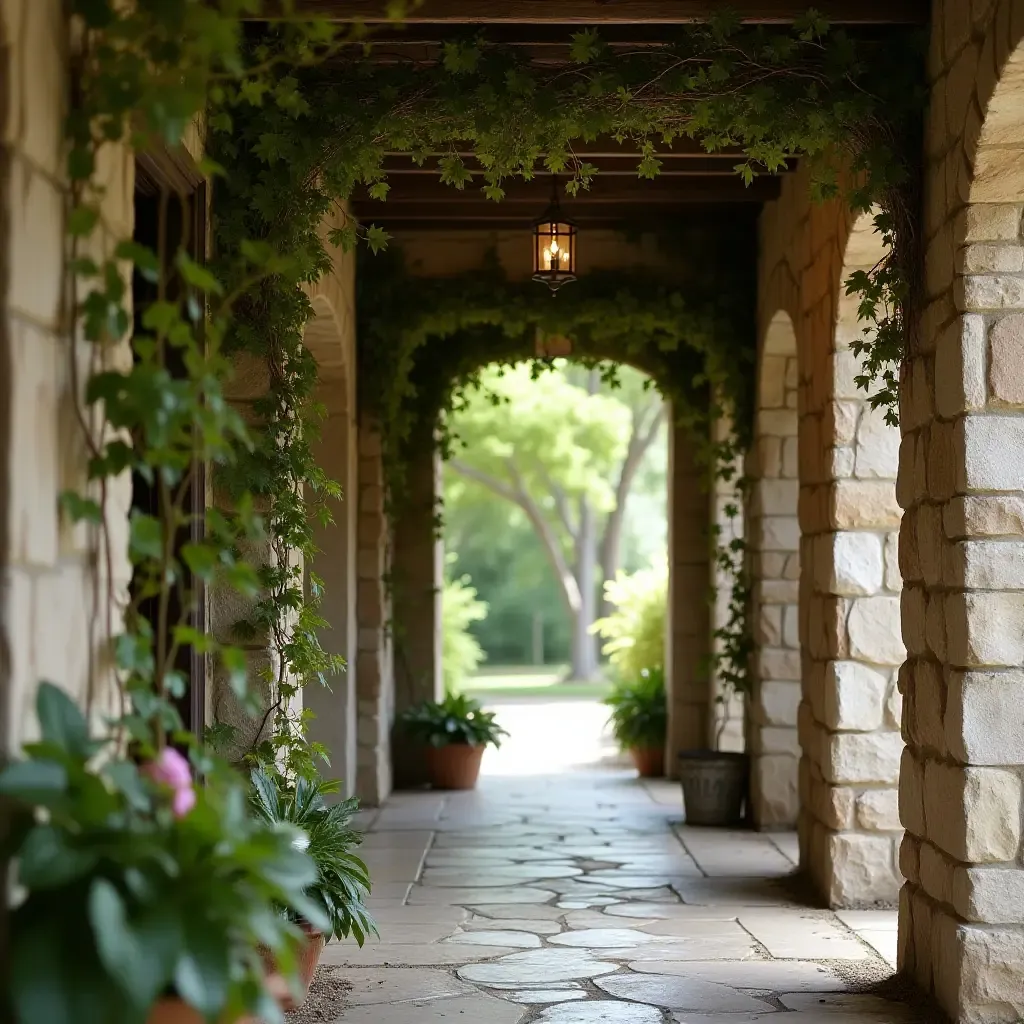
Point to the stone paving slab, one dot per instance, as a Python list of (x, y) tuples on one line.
[(582, 899)]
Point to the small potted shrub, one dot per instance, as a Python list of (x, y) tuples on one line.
[(455, 732), (139, 897), (639, 719), (342, 882)]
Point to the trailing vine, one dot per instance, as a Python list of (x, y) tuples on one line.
[(298, 117)]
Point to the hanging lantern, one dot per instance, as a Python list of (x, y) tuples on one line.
[(554, 246)]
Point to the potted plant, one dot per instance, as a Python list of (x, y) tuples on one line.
[(342, 881), (455, 733), (139, 897), (639, 719), (716, 782)]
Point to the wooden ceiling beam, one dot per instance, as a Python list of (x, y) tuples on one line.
[(603, 189), (620, 12)]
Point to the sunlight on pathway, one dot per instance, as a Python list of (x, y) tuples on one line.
[(546, 738), (579, 898)]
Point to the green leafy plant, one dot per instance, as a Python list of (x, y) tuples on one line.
[(124, 892), (456, 719), (342, 882), (639, 713), (460, 608), (634, 631)]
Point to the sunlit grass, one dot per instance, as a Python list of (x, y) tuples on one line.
[(520, 681)]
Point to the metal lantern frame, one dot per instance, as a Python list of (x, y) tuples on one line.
[(554, 246)]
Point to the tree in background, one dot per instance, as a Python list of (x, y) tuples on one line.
[(565, 448), (461, 653)]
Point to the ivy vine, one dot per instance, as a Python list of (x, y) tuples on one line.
[(299, 116)]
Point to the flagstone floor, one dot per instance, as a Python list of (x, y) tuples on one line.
[(578, 898)]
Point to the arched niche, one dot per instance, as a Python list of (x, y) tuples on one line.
[(773, 539), (850, 734)]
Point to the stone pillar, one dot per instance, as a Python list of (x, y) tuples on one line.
[(961, 483), (417, 574), (335, 705), (774, 561), (850, 604), (688, 624), (374, 673)]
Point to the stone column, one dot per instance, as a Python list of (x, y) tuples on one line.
[(962, 554), (688, 625), (374, 672), (335, 705), (417, 573), (774, 565)]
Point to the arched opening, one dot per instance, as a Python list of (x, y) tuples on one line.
[(329, 338), (962, 552), (774, 549), (851, 742), (555, 523)]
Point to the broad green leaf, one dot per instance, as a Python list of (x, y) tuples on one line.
[(60, 720), (34, 782)]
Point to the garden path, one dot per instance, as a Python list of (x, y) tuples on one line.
[(579, 898)]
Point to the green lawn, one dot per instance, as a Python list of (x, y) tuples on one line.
[(531, 681)]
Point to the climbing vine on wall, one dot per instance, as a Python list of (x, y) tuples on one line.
[(298, 118)]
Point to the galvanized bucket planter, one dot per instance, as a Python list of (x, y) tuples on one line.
[(714, 786)]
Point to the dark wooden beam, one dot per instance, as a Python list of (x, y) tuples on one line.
[(608, 166), (534, 195), (622, 12)]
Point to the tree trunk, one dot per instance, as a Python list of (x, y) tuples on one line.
[(584, 644)]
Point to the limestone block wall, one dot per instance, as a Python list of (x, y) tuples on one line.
[(849, 590), (962, 540), (56, 609), (773, 538)]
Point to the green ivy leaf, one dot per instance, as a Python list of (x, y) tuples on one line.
[(79, 509), (34, 782)]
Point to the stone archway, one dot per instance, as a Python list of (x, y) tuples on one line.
[(962, 542), (773, 538), (850, 715)]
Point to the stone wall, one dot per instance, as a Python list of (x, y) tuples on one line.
[(849, 583), (55, 608), (773, 537), (961, 482)]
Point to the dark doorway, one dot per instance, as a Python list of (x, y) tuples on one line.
[(170, 213)]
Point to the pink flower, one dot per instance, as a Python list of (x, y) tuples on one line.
[(183, 802), (172, 770)]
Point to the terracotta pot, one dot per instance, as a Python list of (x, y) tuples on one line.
[(308, 958), (455, 766), (649, 761)]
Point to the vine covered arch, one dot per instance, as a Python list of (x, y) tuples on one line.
[(447, 329)]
